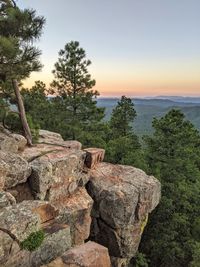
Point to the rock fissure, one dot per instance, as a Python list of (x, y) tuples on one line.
[(6, 231)]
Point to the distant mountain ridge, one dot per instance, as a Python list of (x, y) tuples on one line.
[(148, 108)]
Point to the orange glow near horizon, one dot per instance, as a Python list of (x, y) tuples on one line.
[(182, 78)]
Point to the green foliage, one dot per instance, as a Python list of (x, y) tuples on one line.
[(18, 28), (73, 84), (123, 146), (140, 260), (173, 156), (13, 123), (196, 255), (122, 117), (33, 241)]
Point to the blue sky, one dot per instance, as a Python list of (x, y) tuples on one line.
[(137, 47)]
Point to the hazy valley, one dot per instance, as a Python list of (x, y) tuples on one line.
[(148, 108)]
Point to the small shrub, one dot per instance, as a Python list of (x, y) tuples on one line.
[(33, 241)]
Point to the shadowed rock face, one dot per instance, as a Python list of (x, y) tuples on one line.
[(123, 197)]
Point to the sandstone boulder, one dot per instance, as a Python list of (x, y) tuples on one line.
[(89, 254), (17, 222), (13, 169), (56, 174), (123, 197), (21, 141), (11, 142), (8, 143), (56, 139), (75, 211), (47, 136), (94, 156), (57, 241)]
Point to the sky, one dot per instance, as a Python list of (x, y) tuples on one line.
[(137, 47)]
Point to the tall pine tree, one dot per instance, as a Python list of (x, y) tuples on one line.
[(123, 145), (73, 84)]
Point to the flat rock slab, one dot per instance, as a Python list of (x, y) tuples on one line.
[(13, 169), (75, 211), (94, 156), (89, 254), (123, 197)]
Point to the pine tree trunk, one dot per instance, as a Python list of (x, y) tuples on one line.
[(22, 113)]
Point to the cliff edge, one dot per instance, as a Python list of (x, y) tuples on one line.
[(62, 206)]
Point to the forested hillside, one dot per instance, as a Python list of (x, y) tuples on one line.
[(147, 109)]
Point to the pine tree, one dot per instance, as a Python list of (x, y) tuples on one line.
[(172, 236), (122, 117), (18, 57), (123, 145), (73, 84)]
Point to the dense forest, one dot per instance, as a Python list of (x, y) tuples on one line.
[(69, 106)]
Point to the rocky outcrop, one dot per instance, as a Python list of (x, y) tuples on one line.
[(123, 197), (71, 196), (89, 254)]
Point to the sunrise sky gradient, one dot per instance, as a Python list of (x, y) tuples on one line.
[(137, 47)]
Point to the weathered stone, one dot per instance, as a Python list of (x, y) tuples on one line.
[(3, 173), (56, 139), (6, 199), (43, 209), (94, 156), (75, 211), (13, 169), (57, 241), (123, 197), (8, 143), (89, 254), (21, 141), (47, 136), (56, 175), (18, 221), (19, 259), (8, 248)]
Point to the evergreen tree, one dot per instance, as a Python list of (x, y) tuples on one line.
[(48, 112), (74, 84), (172, 236), (18, 57), (122, 118), (123, 145)]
